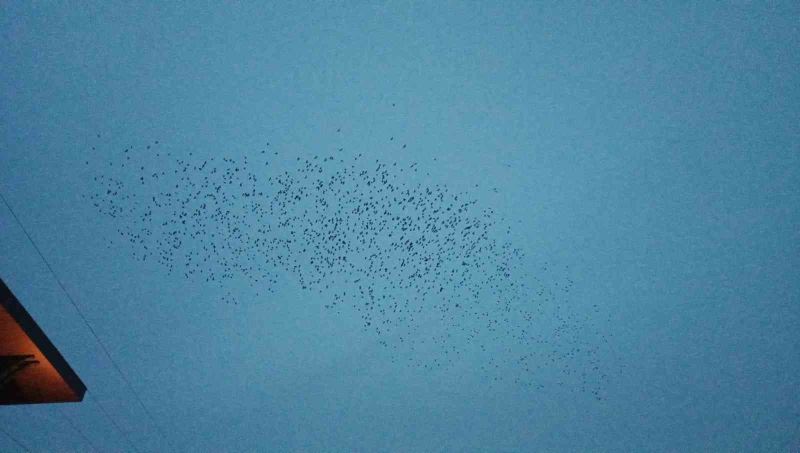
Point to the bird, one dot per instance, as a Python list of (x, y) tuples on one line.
[(422, 265)]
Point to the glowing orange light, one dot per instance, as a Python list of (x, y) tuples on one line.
[(45, 377)]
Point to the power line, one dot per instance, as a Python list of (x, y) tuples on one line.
[(113, 422), (89, 326), (76, 429), (14, 439)]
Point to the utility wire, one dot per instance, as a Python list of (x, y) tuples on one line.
[(88, 325), (113, 422), (76, 429), (14, 439)]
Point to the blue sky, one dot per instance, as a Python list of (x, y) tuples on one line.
[(648, 152)]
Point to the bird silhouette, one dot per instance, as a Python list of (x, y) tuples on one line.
[(430, 272)]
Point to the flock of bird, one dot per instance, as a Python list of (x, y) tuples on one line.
[(427, 270)]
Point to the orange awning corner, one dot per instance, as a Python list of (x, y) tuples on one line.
[(31, 368)]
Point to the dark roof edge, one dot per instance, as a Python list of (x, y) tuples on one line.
[(26, 322)]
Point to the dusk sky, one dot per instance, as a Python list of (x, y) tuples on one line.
[(625, 174)]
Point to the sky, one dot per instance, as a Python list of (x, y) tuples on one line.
[(644, 156)]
